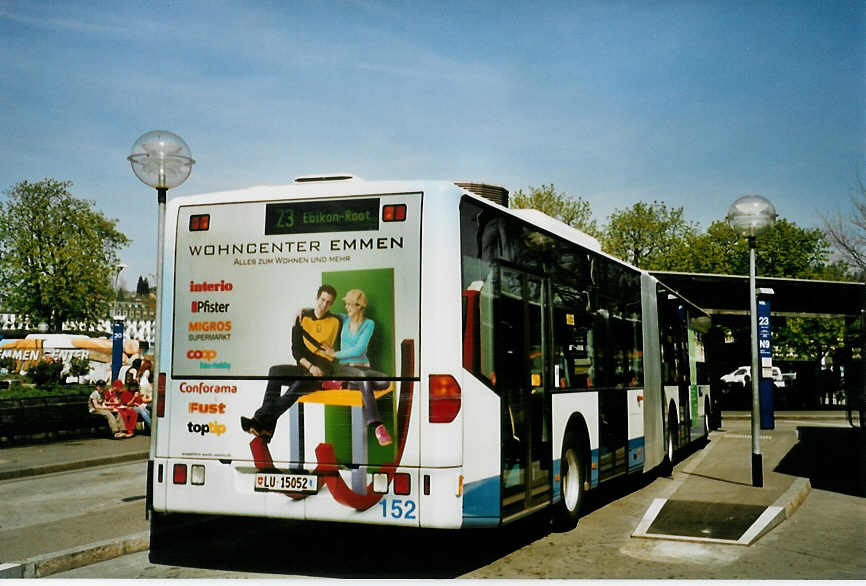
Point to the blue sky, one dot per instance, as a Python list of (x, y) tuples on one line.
[(690, 103)]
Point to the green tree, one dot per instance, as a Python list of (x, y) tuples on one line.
[(574, 211), (45, 373), (143, 287), (847, 233), (647, 235), (784, 250), (79, 367), (57, 254), (808, 337)]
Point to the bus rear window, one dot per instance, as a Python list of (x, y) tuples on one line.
[(243, 285)]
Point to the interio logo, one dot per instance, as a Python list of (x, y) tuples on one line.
[(209, 307), (206, 286), (207, 408), (201, 354), (203, 428)]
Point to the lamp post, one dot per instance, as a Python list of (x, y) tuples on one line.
[(120, 268), (162, 160), (749, 216)]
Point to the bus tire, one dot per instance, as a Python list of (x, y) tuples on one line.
[(572, 476), (666, 468)]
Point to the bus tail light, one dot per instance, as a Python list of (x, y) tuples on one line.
[(199, 223), (196, 474), (394, 212), (402, 483), (179, 474), (160, 395), (444, 398)]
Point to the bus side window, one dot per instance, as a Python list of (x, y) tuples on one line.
[(572, 364)]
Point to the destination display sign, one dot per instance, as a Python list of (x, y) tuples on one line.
[(350, 215)]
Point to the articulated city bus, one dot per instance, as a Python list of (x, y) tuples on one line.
[(407, 353)]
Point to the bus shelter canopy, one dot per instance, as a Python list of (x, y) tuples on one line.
[(720, 295)]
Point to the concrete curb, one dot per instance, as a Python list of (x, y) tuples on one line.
[(85, 555), (792, 498), (74, 465), (828, 416)]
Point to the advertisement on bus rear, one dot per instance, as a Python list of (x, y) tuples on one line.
[(258, 270), (295, 342)]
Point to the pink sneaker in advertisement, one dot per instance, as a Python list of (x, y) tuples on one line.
[(382, 435)]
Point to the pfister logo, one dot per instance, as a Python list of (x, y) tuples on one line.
[(205, 428), (210, 307), (207, 408), (209, 287)]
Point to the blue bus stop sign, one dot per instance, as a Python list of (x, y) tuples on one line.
[(765, 352), (116, 349)]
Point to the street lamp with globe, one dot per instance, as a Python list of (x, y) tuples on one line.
[(162, 160), (749, 216)]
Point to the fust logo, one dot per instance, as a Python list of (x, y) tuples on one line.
[(204, 428), (209, 307), (211, 408), (201, 354)]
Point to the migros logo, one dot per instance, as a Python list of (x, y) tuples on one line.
[(211, 408), (205, 428), (207, 286), (210, 326), (201, 354)]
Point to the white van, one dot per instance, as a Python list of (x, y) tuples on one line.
[(743, 374)]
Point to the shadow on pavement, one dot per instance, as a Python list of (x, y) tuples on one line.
[(341, 550), (334, 550), (832, 458)]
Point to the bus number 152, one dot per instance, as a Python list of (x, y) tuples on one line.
[(398, 509)]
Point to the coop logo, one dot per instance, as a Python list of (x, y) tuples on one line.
[(206, 286), (211, 408), (210, 307), (205, 428), (201, 355)]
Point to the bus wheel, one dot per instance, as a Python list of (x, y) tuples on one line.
[(572, 476), (666, 468)]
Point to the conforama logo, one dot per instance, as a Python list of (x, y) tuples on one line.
[(201, 354)]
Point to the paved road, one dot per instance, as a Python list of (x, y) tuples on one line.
[(826, 538), (92, 503)]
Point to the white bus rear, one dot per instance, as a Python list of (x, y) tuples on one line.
[(240, 267)]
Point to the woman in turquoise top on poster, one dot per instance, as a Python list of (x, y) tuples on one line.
[(353, 361)]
